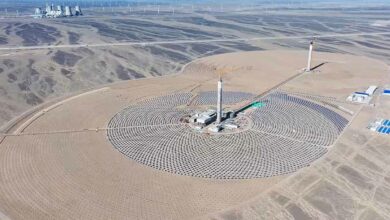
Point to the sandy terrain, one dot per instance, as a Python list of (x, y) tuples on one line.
[(31, 77), (58, 163)]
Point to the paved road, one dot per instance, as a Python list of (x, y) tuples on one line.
[(149, 43)]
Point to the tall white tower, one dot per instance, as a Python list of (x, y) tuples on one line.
[(219, 102), (308, 68)]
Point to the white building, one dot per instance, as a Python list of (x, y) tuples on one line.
[(386, 92), (215, 128), (359, 97), (363, 97), (371, 90), (206, 117)]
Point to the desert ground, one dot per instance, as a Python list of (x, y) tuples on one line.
[(58, 162), (31, 77), (59, 153)]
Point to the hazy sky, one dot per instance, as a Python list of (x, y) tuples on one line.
[(212, 1)]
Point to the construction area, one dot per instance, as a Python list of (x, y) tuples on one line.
[(249, 135)]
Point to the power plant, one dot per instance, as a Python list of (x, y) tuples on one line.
[(214, 121), (57, 12), (123, 111)]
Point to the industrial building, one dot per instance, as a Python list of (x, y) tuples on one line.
[(381, 126), (55, 12), (386, 92), (363, 97), (205, 118)]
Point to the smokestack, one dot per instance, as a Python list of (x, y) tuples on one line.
[(219, 104), (308, 68)]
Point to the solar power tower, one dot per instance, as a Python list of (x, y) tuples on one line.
[(220, 73), (219, 102), (308, 68)]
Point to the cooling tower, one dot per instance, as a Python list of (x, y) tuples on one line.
[(38, 11), (77, 10), (68, 11), (48, 8), (60, 11)]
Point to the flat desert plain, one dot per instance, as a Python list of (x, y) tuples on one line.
[(60, 162)]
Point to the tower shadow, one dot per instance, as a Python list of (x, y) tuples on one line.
[(318, 66)]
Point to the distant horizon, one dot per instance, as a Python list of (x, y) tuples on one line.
[(29, 5), (270, 2)]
